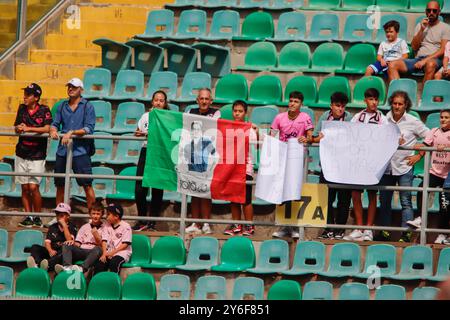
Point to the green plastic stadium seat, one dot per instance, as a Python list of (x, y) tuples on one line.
[(260, 56), (69, 285), (230, 88), (309, 259), (142, 251), (443, 268), (254, 4), (248, 287), (3, 243), (310, 113), (174, 107), (425, 293), (210, 288), (181, 58), (257, 26), (174, 287), (414, 114), (446, 7), (306, 85), (226, 112), (224, 25), (265, 89), (102, 115), (97, 83), (188, 108), (6, 181), (322, 5), (345, 260), (407, 85), (127, 152), (203, 254), (116, 56), (129, 85), (159, 24), (51, 152), (294, 56), (291, 27), (318, 290), (313, 178), (431, 90), (263, 115), (105, 286), (355, 24), (124, 188), (273, 257), (417, 263), (214, 59), (383, 256), (285, 290), (381, 35), (433, 120), (390, 292), (285, 4), (354, 291), (326, 58), (358, 57), (168, 252), (362, 85), (329, 86), (355, 5), (237, 254), (394, 6), (33, 283), (102, 187), (23, 240), (192, 82), (148, 57), (103, 148), (324, 27), (419, 5), (191, 25), (166, 81), (139, 286), (6, 280), (127, 117)]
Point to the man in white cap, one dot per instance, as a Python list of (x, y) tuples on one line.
[(74, 117)]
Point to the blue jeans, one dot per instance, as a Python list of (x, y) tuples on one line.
[(405, 180)]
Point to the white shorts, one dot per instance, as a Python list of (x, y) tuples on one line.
[(28, 166)]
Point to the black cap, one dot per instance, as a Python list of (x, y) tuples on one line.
[(34, 89), (116, 209)]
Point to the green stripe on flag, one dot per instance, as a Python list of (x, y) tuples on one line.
[(159, 168)]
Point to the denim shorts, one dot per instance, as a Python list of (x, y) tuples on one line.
[(80, 165), (411, 62), (378, 68)]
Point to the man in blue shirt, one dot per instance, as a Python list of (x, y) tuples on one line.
[(75, 116)]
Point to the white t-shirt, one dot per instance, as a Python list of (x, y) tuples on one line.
[(391, 51), (368, 117), (143, 126)]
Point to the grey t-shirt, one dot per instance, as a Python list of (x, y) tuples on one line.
[(432, 38)]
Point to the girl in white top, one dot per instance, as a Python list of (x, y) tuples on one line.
[(159, 101)]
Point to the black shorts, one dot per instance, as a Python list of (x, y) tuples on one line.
[(80, 165), (248, 190)]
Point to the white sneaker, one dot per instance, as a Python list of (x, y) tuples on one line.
[(447, 241), (60, 268), (356, 235), (76, 268), (44, 264), (51, 222), (193, 228), (416, 223), (31, 263), (206, 229), (441, 239), (368, 235), (295, 235), (282, 233)]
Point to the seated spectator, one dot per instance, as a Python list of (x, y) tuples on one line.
[(394, 48), (239, 113), (370, 115), (430, 38), (444, 72), (87, 245), (336, 113), (58, 233), (116, 241), (440, 165), (400, 170)]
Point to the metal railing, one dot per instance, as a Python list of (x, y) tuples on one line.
[(425, 189)]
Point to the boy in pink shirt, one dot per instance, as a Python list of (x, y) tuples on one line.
[(440, 165), (292, 124), (116, 245)]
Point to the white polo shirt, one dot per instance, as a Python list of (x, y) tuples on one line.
[(411, 129)]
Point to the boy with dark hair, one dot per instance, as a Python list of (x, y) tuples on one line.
[(369, 115), (394, 48), (116, 241), (87, 245), (336, 113)]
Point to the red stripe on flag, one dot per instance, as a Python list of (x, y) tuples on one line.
[(228, 181)]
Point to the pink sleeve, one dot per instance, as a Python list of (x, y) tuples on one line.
[(429, 139), (126, 238), (309, 125)]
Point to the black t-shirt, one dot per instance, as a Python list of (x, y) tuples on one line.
[(56, 235), (209, 113), (31, 148)]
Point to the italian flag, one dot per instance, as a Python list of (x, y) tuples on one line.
[(197, 155)]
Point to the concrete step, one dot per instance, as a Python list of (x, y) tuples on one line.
[(38, 72), (88, 58), (55, 41), (52, 89), (114, 14), (104, 29)]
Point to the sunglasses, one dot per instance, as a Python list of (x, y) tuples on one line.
[(432, 10)]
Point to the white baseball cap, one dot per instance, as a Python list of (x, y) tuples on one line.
[(76, 83)]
